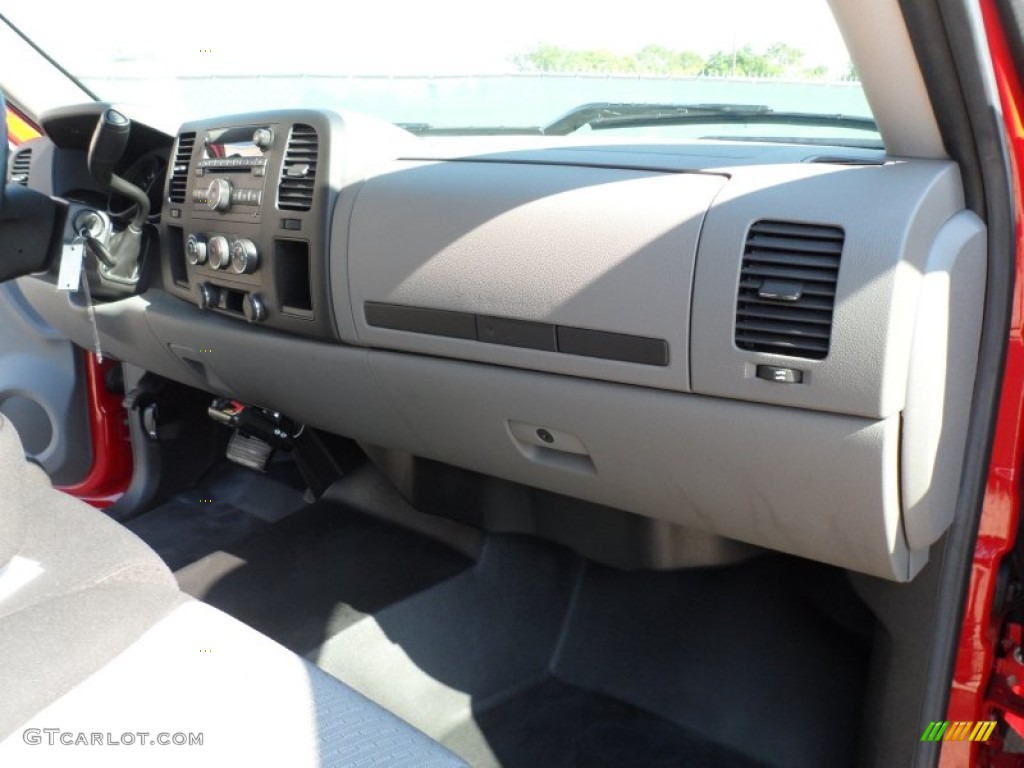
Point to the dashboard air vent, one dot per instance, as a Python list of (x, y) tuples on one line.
[(20, 167), (298, 172), (788, 288), (179, 173)]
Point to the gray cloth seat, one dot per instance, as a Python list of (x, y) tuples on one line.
[(103, 658)]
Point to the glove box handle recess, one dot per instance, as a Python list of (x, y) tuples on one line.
[(546, 445)]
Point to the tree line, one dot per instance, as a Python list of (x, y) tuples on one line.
[(777, 60)]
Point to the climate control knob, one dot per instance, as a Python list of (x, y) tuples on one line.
[(219, 251), (244, 258), (195, 250), (254, 308), (218, 195)]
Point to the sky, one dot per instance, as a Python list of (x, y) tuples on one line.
[(392, 37)]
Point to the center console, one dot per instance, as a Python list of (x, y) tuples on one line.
[(246, 219)]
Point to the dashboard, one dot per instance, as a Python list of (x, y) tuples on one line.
[(766, 343)]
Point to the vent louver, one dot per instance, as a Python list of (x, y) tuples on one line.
[(179, 173), (787, 289), (21, 166), (298, 172)]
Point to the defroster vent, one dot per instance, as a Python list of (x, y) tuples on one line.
[(298, 172), (21, 166), (179, 173), (788, 288)]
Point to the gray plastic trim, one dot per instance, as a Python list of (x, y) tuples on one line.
[(329, 386), (876, 37), (42, 391), (124, 333), (819, 486), (943, 362)]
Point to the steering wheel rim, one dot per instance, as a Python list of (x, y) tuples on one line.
[(3, 149)]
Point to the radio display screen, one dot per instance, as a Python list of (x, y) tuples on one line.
[(233, 142)]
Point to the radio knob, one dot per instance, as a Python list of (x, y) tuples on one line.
[(218, 195), (244, 258), (263, 138), (195, 250), (208, 296), (220, 252), (254, 308)]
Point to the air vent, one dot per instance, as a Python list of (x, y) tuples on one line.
[(20, 167), (788, 289), (179, 174), (298, 172)]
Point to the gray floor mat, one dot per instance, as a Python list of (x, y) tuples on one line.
[(720, 662), (230, 503), (475, 637), (188, 527), (736, 654), (555, 724), (311, 575)]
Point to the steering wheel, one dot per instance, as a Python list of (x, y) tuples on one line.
[(31, 223), (3, 150)]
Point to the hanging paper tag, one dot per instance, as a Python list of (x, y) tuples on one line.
[(70, 276)]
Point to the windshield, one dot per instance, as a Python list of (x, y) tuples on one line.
[(454, 66)]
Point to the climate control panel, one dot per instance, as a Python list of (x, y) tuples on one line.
[(226, 266), (237, 255)]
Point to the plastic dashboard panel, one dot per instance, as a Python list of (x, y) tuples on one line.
[(657, 254), (564, 318), (588, 249)]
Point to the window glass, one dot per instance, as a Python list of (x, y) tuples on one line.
[(730, 68)]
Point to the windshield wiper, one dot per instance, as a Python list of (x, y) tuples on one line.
[(609, 115), (426, 129), (606, 115)]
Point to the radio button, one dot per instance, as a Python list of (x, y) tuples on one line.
[(262, 138), (218, 195)]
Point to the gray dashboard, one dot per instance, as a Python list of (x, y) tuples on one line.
[(761, 343)]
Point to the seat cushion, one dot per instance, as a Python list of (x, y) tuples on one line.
[(48, 648), (200, 672), (77, 547), (17, 481), (52, 544)]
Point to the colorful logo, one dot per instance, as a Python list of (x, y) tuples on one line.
[(967, 731)]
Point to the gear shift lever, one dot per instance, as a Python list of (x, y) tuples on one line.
[(119, 257)]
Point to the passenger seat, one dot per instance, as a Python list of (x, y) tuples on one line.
[(104, 659)]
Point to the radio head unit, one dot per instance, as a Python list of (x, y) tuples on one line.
[(234, 160)]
